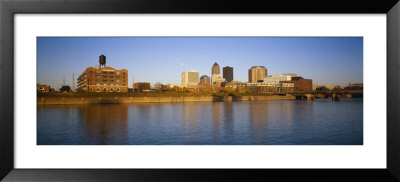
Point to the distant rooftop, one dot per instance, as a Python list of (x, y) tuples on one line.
[(257, 67)]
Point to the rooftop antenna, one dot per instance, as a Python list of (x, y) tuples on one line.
[(73, 81)]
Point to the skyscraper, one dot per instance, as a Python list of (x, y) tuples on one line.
[(257, 74), (190, 79), (216, 78), (215, 69), (228, 73)]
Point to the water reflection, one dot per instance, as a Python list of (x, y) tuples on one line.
[(104, 124), (216, 119), (228, 120), (258, 114), (190, 120), (211, 123)]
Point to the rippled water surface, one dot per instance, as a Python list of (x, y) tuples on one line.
[(272, 122)]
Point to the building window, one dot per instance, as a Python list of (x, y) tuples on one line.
[(104, 80), (104, 76), (111, 90), (97, 76), (111, 72), (97, 71), (123, 73), (91, 89), (111, 76), (104, 72), (97, 83), (123, 84), (91, 71), (117, 73), (105, 84), (117, 76), (111, 80), (117, 84), (104, 89), (117, 89), (118, 81), (97, 89)]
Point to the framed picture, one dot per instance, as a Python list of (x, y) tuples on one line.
[(177, 90)]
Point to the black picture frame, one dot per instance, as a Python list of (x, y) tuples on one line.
[(8, 8)]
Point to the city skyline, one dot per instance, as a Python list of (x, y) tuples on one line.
[(326, 60)]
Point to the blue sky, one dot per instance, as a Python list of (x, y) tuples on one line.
[(326, 60)]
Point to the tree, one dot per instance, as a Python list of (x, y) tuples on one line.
[(337, 88), (207, 89), (322, 88), (242, 89), (176, 89), (65, 88), (228, 89)]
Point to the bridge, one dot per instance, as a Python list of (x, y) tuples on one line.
[(335, 95)]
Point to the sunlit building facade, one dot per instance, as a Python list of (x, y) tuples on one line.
[(257, 74), (204, 81), (190, 79), (140, 86), (296, 84), (275, 79), (105, 79)]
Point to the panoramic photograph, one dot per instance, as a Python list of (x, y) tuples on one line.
[(199, 91)]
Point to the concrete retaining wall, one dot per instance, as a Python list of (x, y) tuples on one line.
[(100, 100)]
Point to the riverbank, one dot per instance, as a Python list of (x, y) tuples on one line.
[(127, 99)]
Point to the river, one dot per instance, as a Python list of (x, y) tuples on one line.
[(269, 122)]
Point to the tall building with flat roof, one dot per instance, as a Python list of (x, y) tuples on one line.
[(257, 74), (103, 79), (227, 73), (190, 79)]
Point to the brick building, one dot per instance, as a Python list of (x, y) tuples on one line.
[(296, 84), (204, 81), (140, 86), (105, 79), (43, 88)]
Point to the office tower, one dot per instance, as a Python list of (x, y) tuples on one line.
[(257, 74), (190, 79), (215, 69), (227, 73)]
